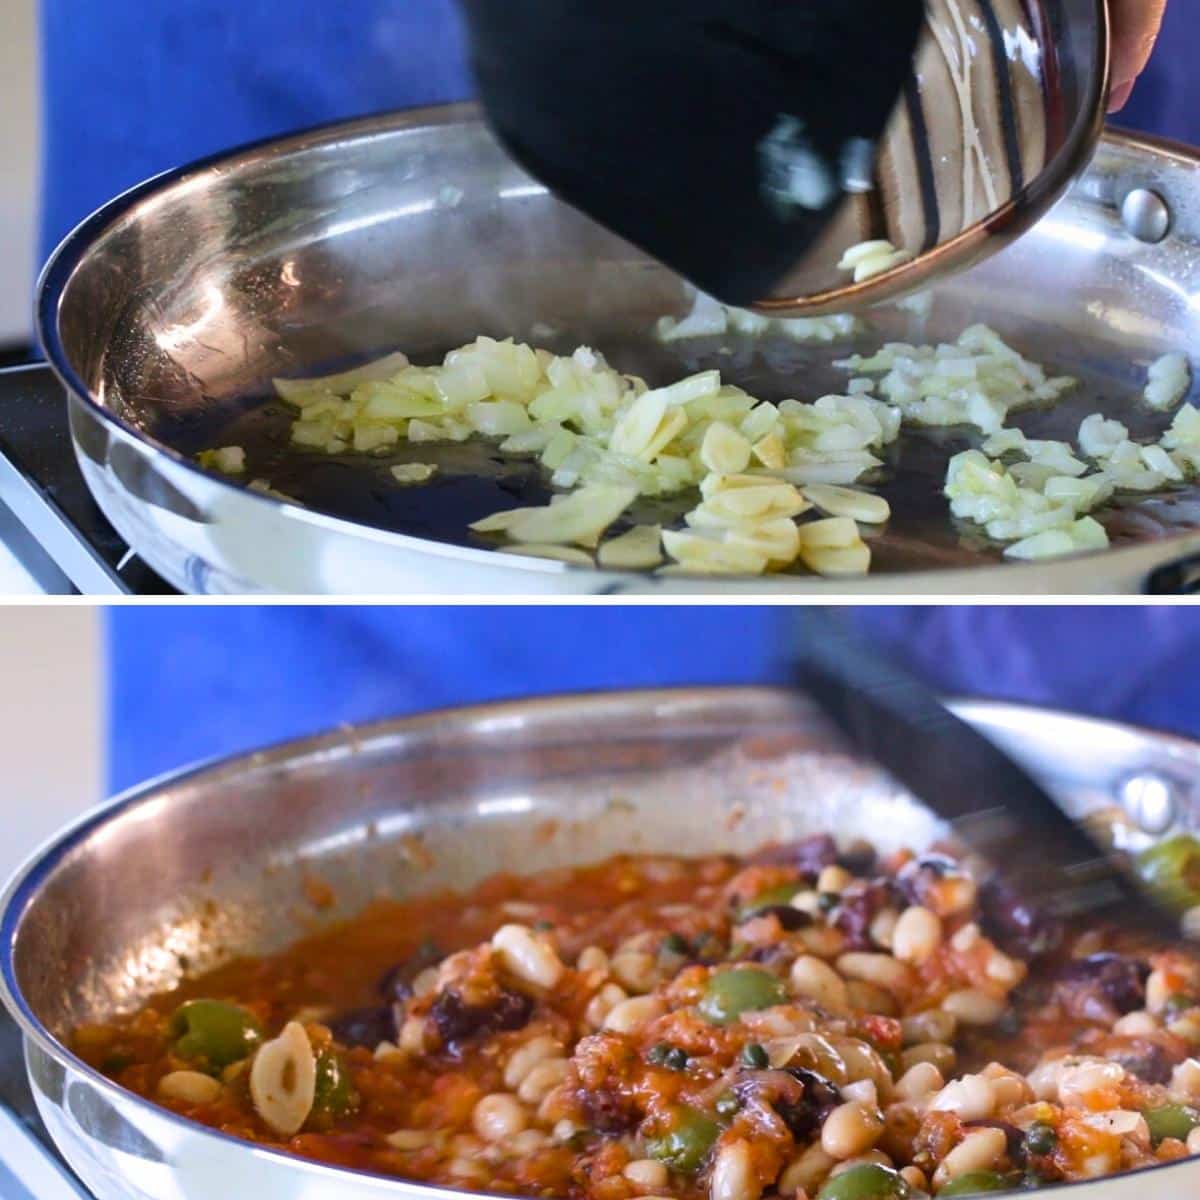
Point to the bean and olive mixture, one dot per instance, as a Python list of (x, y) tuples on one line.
[(811, 1022)]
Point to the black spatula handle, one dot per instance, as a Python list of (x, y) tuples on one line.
[(993, 806)]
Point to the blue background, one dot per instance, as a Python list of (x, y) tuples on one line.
[(188, 683), (133, 87)]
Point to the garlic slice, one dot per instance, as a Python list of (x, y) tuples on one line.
[(639, 549), (847, 502), (833, 533), (582, 514), (283, 1080)]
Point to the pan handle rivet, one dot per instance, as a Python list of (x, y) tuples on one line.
[(1146, 216), (1149, 798)]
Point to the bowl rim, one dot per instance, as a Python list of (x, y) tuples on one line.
[(23, 885)]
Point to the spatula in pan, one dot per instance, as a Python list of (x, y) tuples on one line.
[(992, 806)]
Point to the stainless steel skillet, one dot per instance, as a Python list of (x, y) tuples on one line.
[(166, 314), (209, 863)]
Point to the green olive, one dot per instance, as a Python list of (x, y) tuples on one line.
[(1171, 1121), (974, 1182), (867, 1181), (733, 992), (214, 1033), (335, 1095), (685, 1144), (771, 898), (1172, 869)]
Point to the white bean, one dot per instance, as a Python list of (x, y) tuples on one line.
[(834, 880), (189, 1087), (1078, 1081), (526, 957), (630, 1015), (980, 1150), (883, 928), (646, 1173), (543, 1079), (498, 1117), (942, 1056), (602, 1003), (819, 982), (1137, 1024), (636, 970), (863, 1091), (915, 1178), (733, 1175), (1185, 1079), (870, 997), (920, 1080), (917, 935), (1158, 991), (972, 1098), (283, 1080), (970, 1006), (1193, 1142), (932, 1025), (524, 1058), (806, 1171), (410, 1139), (592, 958), (851, 1129), (880, 969)]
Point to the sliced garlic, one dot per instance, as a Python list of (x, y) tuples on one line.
[(414, 472), (374, 372), (699, 553), (771, 452), (283, 1080), (778, 540), (837, 561), (583, 513), (639, 549), (847, 502), (833, 533), (724, 450)]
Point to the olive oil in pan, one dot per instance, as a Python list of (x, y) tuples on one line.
[(474, 479)]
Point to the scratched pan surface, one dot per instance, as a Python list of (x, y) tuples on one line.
[(167, 314)]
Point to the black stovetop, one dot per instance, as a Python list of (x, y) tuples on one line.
[(70, 543)]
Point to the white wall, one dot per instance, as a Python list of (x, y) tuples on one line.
[(18, 165), (51, 722)]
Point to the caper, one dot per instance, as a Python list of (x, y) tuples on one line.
[(685, 1144), (1040, 1138), (665, 1055), (213, 1033), (733, 992), (867, 1181), (727, 1104), (675, 943), (1171, 1121), (1172, 869)]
